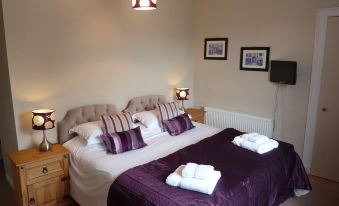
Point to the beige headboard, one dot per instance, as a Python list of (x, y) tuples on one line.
[(82, 115), (92, 113), (144, 103)]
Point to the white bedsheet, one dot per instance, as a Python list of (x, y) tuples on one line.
[(93, 170)]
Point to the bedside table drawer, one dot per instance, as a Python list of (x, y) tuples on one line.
[(44, 168)]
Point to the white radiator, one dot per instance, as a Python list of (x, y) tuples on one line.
[(242, 122)]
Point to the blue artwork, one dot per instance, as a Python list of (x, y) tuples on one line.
[(254, 59)]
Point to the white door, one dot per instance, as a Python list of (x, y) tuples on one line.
[(325, 162)]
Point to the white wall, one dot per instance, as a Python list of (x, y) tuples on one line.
[(285, 26), (7, 126), (63, 54)]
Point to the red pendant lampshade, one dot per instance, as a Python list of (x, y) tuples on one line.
[(144, 4)]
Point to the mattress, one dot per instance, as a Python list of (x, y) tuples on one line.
[(93, 170)]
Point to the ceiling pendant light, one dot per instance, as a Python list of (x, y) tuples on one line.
[(144, 4)]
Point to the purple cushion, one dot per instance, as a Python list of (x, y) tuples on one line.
[(178, 125), (120, 142)]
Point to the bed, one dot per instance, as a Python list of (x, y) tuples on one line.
[(137, 177)]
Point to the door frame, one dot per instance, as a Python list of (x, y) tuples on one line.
[(317, 67)]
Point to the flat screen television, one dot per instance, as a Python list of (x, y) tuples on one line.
[(283, 72)]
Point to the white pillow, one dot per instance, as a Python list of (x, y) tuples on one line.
[(147, 118), (148, 132), (90, 131), (150, 119)]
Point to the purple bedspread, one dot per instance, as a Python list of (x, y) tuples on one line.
[(247, 177)]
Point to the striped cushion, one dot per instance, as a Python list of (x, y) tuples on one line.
[(178, 124), (120, 142), (167, 111), (117, 123)]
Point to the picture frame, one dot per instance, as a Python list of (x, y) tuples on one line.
[(216, 48), (255, 58)]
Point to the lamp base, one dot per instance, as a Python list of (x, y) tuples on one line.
[(45, 144), (182, 105)]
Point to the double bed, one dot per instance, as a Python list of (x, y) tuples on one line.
[(138, 177)]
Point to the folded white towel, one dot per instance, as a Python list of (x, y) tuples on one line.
[(204, 186), (189, 170), (260, 148), (175, 178), (202, 172), (300, 192)]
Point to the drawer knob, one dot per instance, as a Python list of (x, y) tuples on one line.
[(31, 201), (44, 170)]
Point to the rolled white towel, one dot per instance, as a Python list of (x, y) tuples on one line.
[(258, 138), (260, 148), (237, 140), (175, 178), (204, 186), (248, 135), (202, 172), (268, 146), (252, 137), (189, 170)]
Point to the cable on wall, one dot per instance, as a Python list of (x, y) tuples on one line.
[(276, 104)]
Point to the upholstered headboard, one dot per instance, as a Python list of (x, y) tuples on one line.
[(144, 103), (82, 115), (92, 113)]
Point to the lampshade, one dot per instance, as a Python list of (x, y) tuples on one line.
[(144, 4), (43, 119), (182, 93)]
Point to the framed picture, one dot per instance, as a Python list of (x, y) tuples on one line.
[(255, 58), (216, 48)]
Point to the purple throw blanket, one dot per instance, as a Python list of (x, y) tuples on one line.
[(247, 178)]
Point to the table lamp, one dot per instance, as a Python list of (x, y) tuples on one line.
[(144, 4), (43, 119), (182, 94)]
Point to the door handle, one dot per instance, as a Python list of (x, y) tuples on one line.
[(324, 109)]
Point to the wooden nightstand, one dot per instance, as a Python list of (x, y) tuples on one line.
[(198, 115), (41, 178)]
